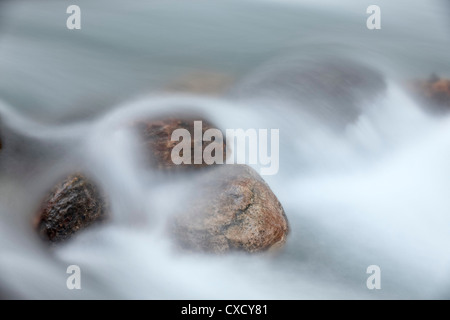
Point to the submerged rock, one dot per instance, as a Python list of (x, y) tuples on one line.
[(72, 205), (333, 90), (232, 209), (434, 93), (201, 82), (157, 133)]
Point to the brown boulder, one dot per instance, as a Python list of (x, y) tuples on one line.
[(72, 205), (156, 136), (232, 209)]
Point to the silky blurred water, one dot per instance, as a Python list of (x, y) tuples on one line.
[(363, 168)]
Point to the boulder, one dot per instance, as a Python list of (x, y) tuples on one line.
[(72, 205), (232, 209), (156, 139)]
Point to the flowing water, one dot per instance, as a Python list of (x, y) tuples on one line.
[(364, 170)]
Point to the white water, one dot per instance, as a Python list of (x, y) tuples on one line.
[(370, 191)]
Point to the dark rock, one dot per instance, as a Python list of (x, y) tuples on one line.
[(72, 205), (156, 135), (232, 209)]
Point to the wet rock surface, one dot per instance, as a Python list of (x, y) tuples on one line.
[(232, 208), (157, 133), (72, 205)]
